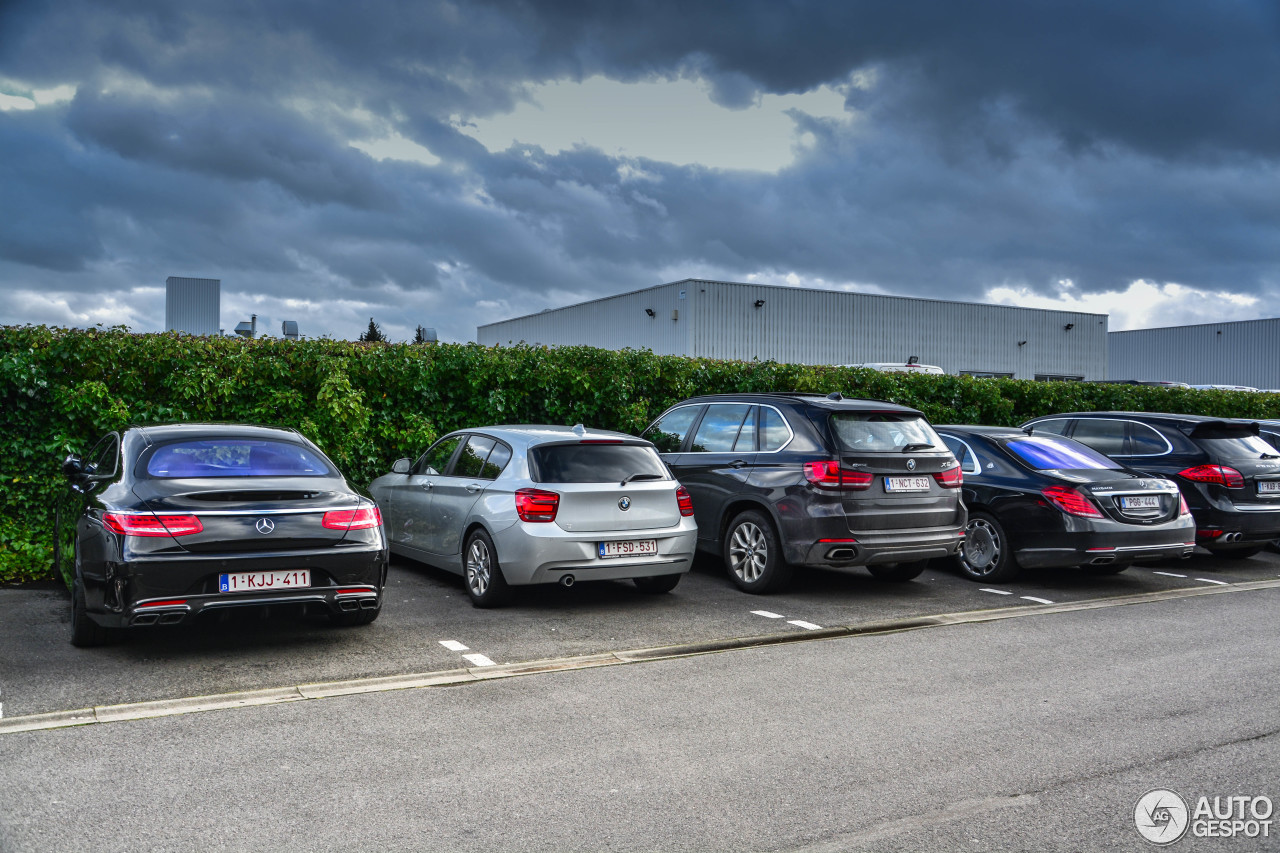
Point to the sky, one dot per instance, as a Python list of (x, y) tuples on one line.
[(447, 164)]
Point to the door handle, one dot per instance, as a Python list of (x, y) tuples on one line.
[(738, 463), (472, 487)]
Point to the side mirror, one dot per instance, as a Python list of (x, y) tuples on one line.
[(401, 466), (72, 467)]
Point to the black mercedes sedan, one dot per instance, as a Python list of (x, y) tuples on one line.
[(185, 519), (1047, 501)]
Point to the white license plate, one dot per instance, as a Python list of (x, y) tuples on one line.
[(629, 548), (1140, 502), (1269, 487), (907, 484), (264, 581)]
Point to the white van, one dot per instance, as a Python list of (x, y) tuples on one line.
[(899, 367)]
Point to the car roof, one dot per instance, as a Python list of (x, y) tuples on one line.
[(822, 401), (167, 432), (530, 434), (987, 431), (1139, 416)]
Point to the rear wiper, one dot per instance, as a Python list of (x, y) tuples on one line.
[(642, 477), (910, 447), (1269, 456)]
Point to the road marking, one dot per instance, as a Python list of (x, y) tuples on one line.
[(996, 591), (407, 681), (808, 626), (1036, 600), (768, 614), (1168, 574), (454, 646), (1209, 580), (478, 660)]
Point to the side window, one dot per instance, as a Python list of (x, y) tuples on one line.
[(436, 459), (471, 460), (774, 432), (497, 460), (1057, 426), (746, 442), (1103, 435), (103, 457), (669, 432), (962, 452), (1145, 441), (1273, 438), (719, 428)]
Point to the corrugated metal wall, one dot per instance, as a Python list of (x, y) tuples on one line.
[(1240, 353), (192, 305), (721, 320)]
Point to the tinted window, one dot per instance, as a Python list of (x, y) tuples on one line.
[(1273, 438), (719, 428), (235, 457), (1103, 435), (968, 462), (669, 432), (436, 460), (497, 460), (774, 432), (746, 442), (471, 460), (1058, 454), (594, 463), (1145, 441), (1057, 426), (883, 432), (1237, 446), (103, 457)]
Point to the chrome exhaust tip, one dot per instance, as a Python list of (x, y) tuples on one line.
[(1101, 561), (840, 554), (368, 604), (567, 581)]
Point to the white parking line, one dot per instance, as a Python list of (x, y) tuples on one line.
[(1210, 580), (479, 660), (453, 645), (996, 591), (1037, 600), (768, 614), (808, 626), (1168, 574)]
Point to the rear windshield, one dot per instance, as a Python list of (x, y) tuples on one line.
[(595, 463), (236, 457), (1059, 454), (1237, 446), (884, 432)]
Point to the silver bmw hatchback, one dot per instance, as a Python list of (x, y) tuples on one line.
[(513, 505)]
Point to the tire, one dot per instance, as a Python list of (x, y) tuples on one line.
[(657, 585), (481, 574), (1107, 569), (85, 633), (352, 618), (898, 572), (986, 555), (1237, 553), (752, 554)]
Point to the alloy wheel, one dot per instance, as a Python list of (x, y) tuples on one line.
[(748, 552), (982, 546), (478, 567)]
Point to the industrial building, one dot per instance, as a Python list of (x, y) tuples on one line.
[(717, 319), (192, 305), (1238, 353)]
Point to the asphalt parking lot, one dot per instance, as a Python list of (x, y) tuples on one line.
[(428, 625)]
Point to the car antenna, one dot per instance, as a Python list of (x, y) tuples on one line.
[(579, 429), (835, 395)]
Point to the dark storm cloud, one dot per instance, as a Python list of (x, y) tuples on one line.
[(999, 143)]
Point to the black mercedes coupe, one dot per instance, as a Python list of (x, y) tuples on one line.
[(184, 519)]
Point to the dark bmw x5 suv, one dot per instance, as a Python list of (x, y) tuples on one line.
[(784, 480), (1229, 475)]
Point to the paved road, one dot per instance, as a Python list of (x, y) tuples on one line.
[(1037, 733), (41, 672)]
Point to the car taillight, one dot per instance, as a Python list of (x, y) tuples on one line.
[(1183, 509), (1071, 501), (829, 475), (147, 524), (950, 479), (537, 505), (352, 519), (1220, 474), (685, 501)]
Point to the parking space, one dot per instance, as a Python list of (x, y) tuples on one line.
[(428, 624)]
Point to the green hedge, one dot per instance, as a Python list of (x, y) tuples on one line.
[(368, 404)]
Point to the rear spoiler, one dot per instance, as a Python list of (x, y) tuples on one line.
[(1206, 428)]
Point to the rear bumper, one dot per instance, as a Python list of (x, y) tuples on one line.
[(168, 590), (544, 553), (878, 547), (1255, 525), (1102, 542)]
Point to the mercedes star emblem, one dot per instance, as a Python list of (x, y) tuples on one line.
[(265, 525)]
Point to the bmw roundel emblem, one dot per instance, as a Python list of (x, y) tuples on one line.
[(911, 464), (624, 504), (265, 525)]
